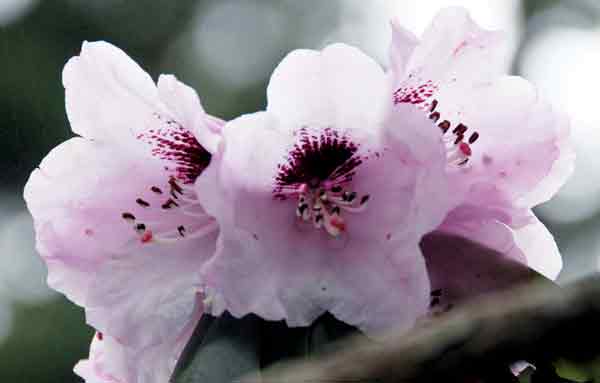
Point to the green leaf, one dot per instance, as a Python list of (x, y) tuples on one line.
[(220, 350), (226, 348)]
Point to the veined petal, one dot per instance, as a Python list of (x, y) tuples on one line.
[(337, 86), (453, 52)]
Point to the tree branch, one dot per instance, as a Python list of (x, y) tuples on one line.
[(534, 322)]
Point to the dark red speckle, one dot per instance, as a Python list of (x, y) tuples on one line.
[(317, 158), (174, 143)]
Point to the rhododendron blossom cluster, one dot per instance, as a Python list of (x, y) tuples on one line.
[(159, 213)]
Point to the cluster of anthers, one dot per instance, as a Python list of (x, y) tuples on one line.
[(318, 173), (180, 197), (459, 151), (322, 205)]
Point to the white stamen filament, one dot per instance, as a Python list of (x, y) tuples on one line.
[(173, 236), (323, 207), (183, 201)]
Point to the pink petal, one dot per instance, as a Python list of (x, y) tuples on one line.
[(502, 155), (111, 361), (108, 96), (314, 88), (561, 169), (107, 362), (454, 51), (403, 44), (147, 297), (185, 105), (539, 247)]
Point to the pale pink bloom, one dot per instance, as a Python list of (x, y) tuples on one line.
[(111, 361), (507, 149), (117, 218), (322, 200), (107, 362)]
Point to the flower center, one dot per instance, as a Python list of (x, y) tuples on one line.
[(318, 174), (185, 159)]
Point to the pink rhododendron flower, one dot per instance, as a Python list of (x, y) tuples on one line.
[(111, 361), (323, 198), (508, 149), (117, 218), (324, 202)]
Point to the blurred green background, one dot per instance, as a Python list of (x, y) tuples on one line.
[(226, 50)]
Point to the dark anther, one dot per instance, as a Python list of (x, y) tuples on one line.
[(473, 137), (128, 216), (156, 189), (141, 202), (434, 104), (181, 230), (364, 199), (174, 186), (444, 125), (302, 208), (169, 204), (460, 129)]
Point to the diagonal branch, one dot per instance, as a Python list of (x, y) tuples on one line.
[(533, 322)]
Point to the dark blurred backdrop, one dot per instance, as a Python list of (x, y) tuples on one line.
[(226, 50)]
